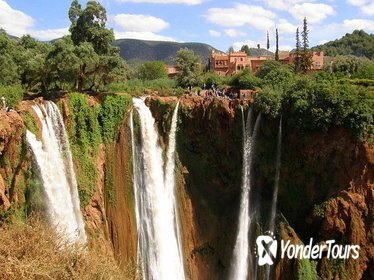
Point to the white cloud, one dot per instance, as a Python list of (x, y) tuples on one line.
[(284, 5), (49, 34), (366, 6), (214, 33), (314, 13), (13, 21), (240, 15), (141, 36), (187, 2), (286, 27), (352, 24), (231, 32), (140, 23)]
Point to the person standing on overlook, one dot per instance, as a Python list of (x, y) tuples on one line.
[(3, 101)]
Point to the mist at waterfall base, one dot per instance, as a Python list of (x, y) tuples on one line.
[(159, 242), (54, 165)]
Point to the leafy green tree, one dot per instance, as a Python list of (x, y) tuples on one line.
[(8, 66), (99, 60), (365, 70), (211, 78), (266, 67), (245, 49), (269, 102), (247, 80), (231, 50), (189, 65), (346, 65), (279, 78), (152, 70)]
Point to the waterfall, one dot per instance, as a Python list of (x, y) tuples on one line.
[(242, 252), (275, 191), (154, 188), (54, 163), (276, 179)]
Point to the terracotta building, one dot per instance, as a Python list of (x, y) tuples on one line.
[(228, 64), (232, 63)]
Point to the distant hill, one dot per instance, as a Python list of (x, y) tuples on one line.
[(259, 52), (359, 43), (138, 51)]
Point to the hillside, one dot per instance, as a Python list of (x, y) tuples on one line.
[(359, 43), (137, 51)]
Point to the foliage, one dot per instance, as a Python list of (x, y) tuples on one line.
[(136, 87), (152, 70), (266, 67), (34, 251), (212, 78), (269, 102), (307, 270), (306, 55), (84, 134), (245, 49), (244, 80), (189, 65), (30, 123), (112, 111), (276, 45), (13, 95), (359, 43), (313, 104), (280, 77)]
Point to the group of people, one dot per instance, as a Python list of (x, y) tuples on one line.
[(214, 91)]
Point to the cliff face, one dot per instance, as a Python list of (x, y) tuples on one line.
[(12, 161), (325, 190)]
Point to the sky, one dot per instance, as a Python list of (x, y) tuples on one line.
[(221, 23)]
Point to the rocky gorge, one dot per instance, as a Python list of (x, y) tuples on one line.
[(326, 187)]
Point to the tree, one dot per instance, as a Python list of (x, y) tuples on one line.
[(231, 50), (298, 52), (189, 65), (276, 45), (266, 67), (152, 70), (245, 49), (306, 57), (99, 60), (267, 41)]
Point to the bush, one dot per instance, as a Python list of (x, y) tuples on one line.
[(266, 67), (269, 102), (13, 95), (33, 251), (111, 114)]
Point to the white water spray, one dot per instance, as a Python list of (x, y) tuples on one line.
[(157, 217), (53, 158), (242, 252)]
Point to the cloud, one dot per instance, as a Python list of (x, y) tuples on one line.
[(141, 36), (187, 2), (234, 33), (314, 13), (286, 27), (13, 21), (49, 34), (352, 24), (214, 33), (284, 5), (240, 15), (140, 23), (366, 6)]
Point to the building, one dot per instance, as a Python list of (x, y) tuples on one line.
[(172, 71), (232, 63), (228, 64)]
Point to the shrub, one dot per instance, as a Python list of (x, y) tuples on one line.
[(13, 95), (33, 251)]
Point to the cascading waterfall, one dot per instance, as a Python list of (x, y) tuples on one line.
[(157, 217), (54, 162), (276, 179), (242, 252), (275, 191)]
